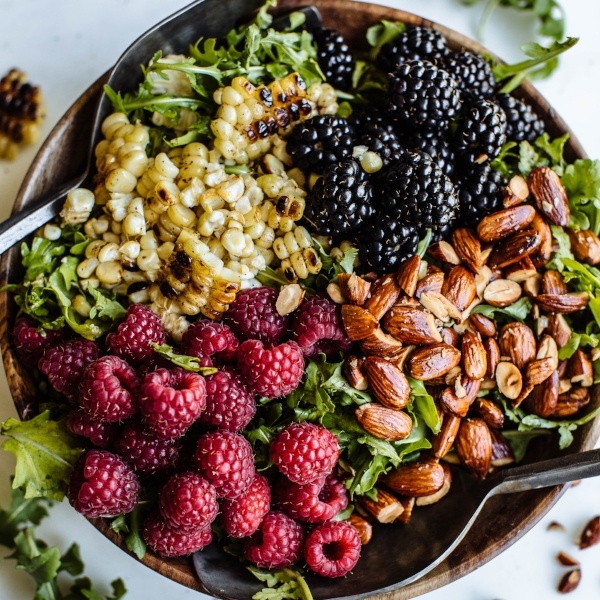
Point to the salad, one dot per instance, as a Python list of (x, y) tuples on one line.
[(304, 285)]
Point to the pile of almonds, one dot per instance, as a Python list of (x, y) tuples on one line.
[(420, 322)]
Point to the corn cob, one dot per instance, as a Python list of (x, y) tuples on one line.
[(21, 113)]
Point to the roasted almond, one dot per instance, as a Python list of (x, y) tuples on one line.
[(513, 249), (408, 275), (490, 412), (559, 330), (468, 248), (432, 361), (521, 271), (358, 322), (289, 299), (516, 340), (590, 536), (384, 293), (444, 440), (353, 372), (482, 279), (387, 382), (474, 446), (509, 380), (354, 288), (415, 479), (492, 355), (547, 348), (412, 325), (363, 527), (539, 370), (569, 581), (517, 191), (442, 308), (432, 282), (459, 287), (502, 292), (334, 292), (585, 245), (553, 283), (486, 327), (562, 303), (532, 285), (386, 509), (571, 402), (505, 222), (566, 560), (381, 344), (502, 453), (474, 358), (542, 254), (450, 337), (437, 496), (384, 423), (550, 195), (580, 369), (452, 404), (400, 359), (444, 252), (544, 396)]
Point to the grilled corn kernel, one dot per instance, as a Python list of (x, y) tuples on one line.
[(112, 123), (51, 232), (120, 181), (78, 206), (108, 252), (87, 267), (109, 273)]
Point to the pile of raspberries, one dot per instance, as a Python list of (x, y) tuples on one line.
[(144, 418)]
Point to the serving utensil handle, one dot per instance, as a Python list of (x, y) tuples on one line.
[(547, 473)]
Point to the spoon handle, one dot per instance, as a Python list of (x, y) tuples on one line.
[(18, 226), (547, 473)]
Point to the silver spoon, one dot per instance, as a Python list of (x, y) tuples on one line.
[(399, 554), (173, 35)]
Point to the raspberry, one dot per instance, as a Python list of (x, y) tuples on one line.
[(318, 327), (304, 452), (144, 452), (99, 433), (332, 548), (103, 485), (31, 339), (64, 363), (133, 338), (277, 544), (313, 502), (243, 515), (171, 401), (271, 372), (227, 461), (253, 316), (109, 389), (167, 542), (207, 339), (156, 361), (188, 502), (229, 404)]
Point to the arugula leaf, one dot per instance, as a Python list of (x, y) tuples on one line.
[(282, 584), (423, 405), (383, 33), (519, 440), (20, 512), (519, 310), (189, 363), (582, 182), (45, 454)]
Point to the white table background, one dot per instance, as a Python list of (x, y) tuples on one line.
[(64, 45)]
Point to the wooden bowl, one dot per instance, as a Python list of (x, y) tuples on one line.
[(503, 521)]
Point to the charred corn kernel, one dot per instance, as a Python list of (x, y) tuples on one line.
[(81, 306), (118, 205), (255, 230), (228, 113), (175, 325), (210, 200), (312, 260), (111, 236), (165, 250), (286, 224), (120, 181), (195, 248), (259, 260), (216, 247), (226, 148), (181, 216), (108, 252), (208, 265), (280, 248), (240, 269), (94, 228), (78, 206), (195, 149), (266, 239), (148, 260), (166, 194), (191, 193), (165, 230), (297, 176), (209, 222), (221, 129), (116, 228), (87, 267), (231, 96), (291, 243), (51, 232), (109, 273), (303, 237), (243, 115), (93, 248), (288, 271), (231, 190), (138, 295), (112, 123), (131, 249), (299, 265), (149, 241), (270, 184)]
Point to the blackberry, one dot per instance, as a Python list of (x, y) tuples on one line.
[(480, 192), (481, 132), (320, 141), (341, 200), (416, 191), (415, 43), (472, 72), (436, 146), (382, 140), (522, 123), (385, 243), (364, 120), (423, 96), (334, 58)]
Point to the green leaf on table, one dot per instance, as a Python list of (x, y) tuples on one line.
[(20, 513), (45, 454)]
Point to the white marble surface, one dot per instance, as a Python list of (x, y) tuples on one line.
[(66, 44)]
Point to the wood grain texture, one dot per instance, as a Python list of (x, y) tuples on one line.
[(502, 521)]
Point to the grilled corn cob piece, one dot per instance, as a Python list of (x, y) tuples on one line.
[(21, 113)]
